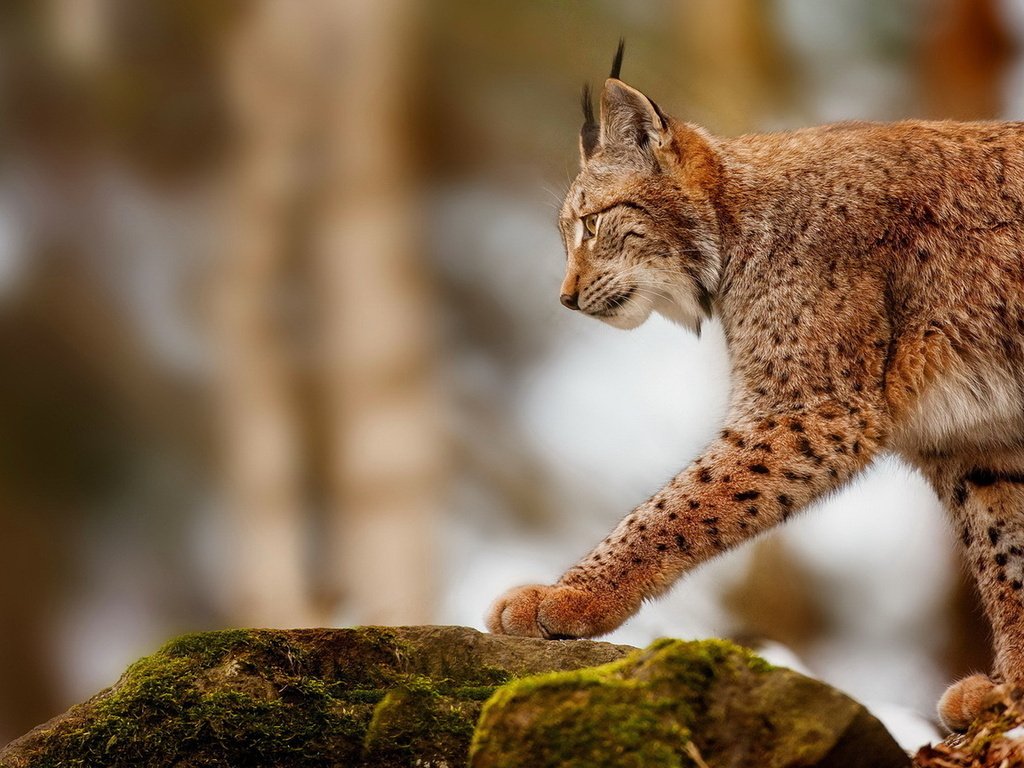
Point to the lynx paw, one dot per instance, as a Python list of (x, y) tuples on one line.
[(963, 701), (550, 612)]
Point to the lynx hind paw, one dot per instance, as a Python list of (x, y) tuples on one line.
[(963, 701)]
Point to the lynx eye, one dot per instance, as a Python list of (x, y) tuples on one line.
[(590, 225)]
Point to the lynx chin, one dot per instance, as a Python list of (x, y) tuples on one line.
[(869, 279)]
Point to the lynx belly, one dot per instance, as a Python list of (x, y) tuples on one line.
[(981, 409)]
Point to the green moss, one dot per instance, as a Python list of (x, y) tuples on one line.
[(381, 636), (419, 726), (709, 653), (591, 724), (212, 646), (492, 676), (474, 692), (370, 657), (633, 712), (989, 729), (364, 696), (194, 700), (688, 666)]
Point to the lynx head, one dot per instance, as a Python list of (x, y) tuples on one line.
[(639, 222)]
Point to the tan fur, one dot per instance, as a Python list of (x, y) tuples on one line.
[(965, 699), (870, 282)]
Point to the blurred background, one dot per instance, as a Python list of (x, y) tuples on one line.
[(281, 345)]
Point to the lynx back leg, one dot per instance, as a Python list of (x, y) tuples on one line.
[(987, 506)]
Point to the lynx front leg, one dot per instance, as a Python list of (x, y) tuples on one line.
[(988, 509), (753, 477)]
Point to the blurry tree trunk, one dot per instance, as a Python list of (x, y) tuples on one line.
[(28, 677), (777, 599), (379, 318), (963, 58), (78, 28), (267, 70), (737, 66), (324, 144)]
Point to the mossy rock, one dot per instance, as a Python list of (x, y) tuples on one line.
[(320, 697), (409, 696), (707, 703)]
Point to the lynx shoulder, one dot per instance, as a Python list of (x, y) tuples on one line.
[(870, 282)]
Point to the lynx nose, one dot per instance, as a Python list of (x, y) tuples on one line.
[(570, 300)]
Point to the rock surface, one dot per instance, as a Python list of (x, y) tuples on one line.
[(680, 704), (318, 697), (414, 695)]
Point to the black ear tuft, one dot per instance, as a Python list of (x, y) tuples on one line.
[(590, 133), (617, 61)]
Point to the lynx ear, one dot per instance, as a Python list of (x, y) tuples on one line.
[(633, 123)]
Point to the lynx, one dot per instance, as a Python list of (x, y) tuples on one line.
[(869, 279)]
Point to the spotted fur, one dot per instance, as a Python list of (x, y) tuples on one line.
[(870, 282)]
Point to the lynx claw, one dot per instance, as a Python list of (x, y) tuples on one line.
[(963, 701)]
